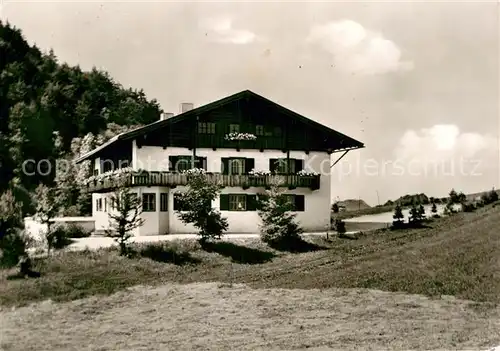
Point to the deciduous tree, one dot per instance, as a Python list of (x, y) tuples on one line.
[(196, 206)]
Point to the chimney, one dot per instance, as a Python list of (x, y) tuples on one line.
[(166, 115), (186, 106)]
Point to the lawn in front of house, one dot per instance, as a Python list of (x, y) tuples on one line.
[(244, 295), (456, 255), (215, 316)]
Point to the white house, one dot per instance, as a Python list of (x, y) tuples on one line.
[(238, 140)]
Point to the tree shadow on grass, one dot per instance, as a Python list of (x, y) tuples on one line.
[(165, 254), (297, 245), (18, 276), (402, 226), (347, 236), (238, 253)]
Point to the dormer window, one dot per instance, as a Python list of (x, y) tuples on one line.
[(259, 130), (234, 128), (206, 128)]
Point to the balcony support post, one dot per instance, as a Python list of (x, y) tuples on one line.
[(345, 152), (195, 140)]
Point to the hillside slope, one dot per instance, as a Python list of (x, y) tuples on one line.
[(457, 256), (353, 204)]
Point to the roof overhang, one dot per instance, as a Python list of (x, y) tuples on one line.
[(108, 143)]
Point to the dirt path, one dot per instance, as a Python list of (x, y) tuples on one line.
[(209, 316)]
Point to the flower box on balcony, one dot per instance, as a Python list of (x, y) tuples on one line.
[(304, 173), (254, 173), (239, 136), (237, 140)]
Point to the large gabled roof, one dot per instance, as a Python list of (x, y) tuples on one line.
[(348, 142)]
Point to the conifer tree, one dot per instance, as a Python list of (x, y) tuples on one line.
[(124, 217), (398, 217), (279, 227)]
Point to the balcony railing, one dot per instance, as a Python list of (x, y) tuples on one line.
[(171, 180)]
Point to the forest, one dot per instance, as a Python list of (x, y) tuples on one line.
[(53, 111)]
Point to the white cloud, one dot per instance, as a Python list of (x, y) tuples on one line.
[(444, 142), (358, 49), (221, 30)]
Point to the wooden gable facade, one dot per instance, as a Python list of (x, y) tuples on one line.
[(274, 126)]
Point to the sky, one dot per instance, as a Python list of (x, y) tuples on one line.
[(417, 82)]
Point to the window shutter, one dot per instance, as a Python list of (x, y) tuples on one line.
[(172, 163), (225, 165), (163, 202), (251, 202), (299, 203), (224, 202), (272, 165), (249, 164), (299, 165)]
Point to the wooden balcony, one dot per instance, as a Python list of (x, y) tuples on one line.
[(171, 180)]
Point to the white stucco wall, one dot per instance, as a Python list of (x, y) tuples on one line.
[(312, 219), (151, 224), (100, 217), (317, 203), (37, 230)]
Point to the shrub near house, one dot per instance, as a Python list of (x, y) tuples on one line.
[(279, 227)]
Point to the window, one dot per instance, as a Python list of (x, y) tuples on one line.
[(281, 166), (206, 128), (96, 172), (237, 166), (259, 130), (237, 202), (149, 202), (234, 128), (184, 163), (98, 205), (297, 202), (163, 202), (105, 205), (180, 163)]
